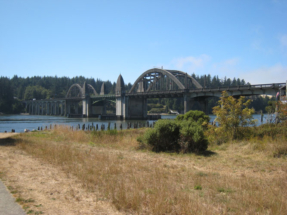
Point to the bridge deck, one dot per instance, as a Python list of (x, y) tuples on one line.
[(174, 93)]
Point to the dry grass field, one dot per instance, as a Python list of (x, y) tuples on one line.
[(232, 178)]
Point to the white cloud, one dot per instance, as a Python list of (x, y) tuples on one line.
[(190, 64), (227, 64), (266, 75), (226, 68)]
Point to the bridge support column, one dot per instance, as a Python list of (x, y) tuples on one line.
[(68, 108), (186, 104), (38, 108), (52, 108), (57, 108), (47, 108), (136, 108), (42, 110), (30, 108), (204, 105), (86, 106), (62, 108), (76, 105), (121, 107)]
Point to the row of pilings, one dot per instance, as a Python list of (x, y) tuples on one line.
[(98, 127), (102, 127)]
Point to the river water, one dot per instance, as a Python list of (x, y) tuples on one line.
[(21, 122)]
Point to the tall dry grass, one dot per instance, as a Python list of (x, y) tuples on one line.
[(236, 179)]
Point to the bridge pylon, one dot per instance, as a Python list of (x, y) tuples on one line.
[(121, 100)]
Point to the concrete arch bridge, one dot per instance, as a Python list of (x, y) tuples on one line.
[(84, 100)]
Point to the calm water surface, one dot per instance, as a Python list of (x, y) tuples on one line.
[(21, 122)]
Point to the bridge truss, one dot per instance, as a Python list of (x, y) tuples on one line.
[(163, 80)]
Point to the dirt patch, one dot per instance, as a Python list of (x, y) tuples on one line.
[(42, 188)]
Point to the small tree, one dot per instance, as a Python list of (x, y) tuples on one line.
[(233, 113)]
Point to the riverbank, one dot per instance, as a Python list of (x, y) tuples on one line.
[(79, 172), (33, 122)]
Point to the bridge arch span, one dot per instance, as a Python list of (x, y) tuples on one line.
[(160, 71), (70, 90), (93, 89), (178, 72), (154, 76)]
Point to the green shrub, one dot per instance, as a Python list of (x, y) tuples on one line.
[(185, 134), (194, 115), (164, 136), (192, 138)]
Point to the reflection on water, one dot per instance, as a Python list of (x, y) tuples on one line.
[(21, 122)]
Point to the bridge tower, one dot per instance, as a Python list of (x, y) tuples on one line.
[(120, 98), (103, 89), (86, 101)]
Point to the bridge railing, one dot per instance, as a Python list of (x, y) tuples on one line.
[(156, 92), (104, 96), (229, 88), (241, 87)]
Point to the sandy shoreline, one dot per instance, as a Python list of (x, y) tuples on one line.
[(7, 135)]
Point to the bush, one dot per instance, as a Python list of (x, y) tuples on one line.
[(185, 134), (272, 130), (192, 138), (164, 136), (194, 115)]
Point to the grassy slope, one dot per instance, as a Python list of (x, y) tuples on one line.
[(233, 178)]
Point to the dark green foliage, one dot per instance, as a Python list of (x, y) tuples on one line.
[(42, 88), (185, 134), (194, 115), (157, 110), (6, 95), (270, 108), (9, 104), (154, 106), (192, 138), (164, 136), (17, 106), (37, 92), (260, 103)]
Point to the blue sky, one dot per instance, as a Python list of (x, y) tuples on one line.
[(102, 39)]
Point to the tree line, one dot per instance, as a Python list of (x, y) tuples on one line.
[(14, 90)]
